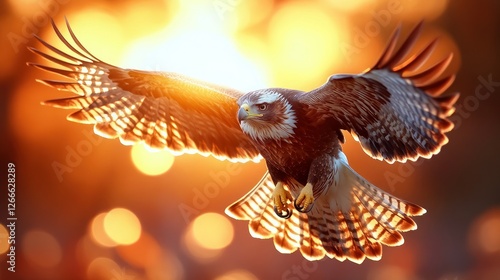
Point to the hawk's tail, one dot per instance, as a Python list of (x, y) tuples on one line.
[(351, 221)]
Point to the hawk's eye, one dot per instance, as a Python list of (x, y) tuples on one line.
[(262, 107)]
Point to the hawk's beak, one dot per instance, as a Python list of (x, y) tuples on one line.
[(242, 113), (245, 113)]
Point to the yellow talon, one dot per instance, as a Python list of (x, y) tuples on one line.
[(305, 201), (280, 199)]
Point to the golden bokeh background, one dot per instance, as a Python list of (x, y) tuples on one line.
[(91, 208)]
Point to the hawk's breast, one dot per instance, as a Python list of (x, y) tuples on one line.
[(294, 155)]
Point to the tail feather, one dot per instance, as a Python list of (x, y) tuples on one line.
[(253, 204), (311, 243), (351, 221), (356, 252), (324, 224), (287, 240)]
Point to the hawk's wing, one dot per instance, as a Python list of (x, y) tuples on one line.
[(164, 110), (392, 109)]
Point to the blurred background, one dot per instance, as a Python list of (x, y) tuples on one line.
[(91, 208)]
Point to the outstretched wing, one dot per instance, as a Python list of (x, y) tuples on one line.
[(164, 110), (393, 109)]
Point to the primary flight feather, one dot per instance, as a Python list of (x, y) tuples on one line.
[(310, 198)]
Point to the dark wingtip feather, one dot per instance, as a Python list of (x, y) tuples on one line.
[(388, 52), (417, 60), (58, 71), (429, 75), (447, 102), (438, 87), (406, 47)]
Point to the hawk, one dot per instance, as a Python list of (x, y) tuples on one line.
[(310, 198)]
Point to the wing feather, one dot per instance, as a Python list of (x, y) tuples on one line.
[(394, 109), (163, 110)]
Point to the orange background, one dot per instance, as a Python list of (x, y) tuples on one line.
[(87, 208)]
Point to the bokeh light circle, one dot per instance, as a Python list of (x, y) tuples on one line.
[(484, 235), (98, 232), (42, 249), (122, 226), (150, 162), (213, 231)]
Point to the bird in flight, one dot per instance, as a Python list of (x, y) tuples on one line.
[(310, 198)]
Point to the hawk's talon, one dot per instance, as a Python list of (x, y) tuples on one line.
[(301, 209), (280, 199), (305, 201), (288, 213)]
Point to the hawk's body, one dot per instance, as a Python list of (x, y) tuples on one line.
[(392, 110), (296, 153)]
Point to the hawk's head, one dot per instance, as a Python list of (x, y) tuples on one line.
[(266, 115)]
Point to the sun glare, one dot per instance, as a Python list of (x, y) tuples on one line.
[(304, 43), (196, 44)]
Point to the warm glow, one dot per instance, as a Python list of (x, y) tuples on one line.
[(213, 231), (122, 226), (248, 13), (70, 181), (27, 8), (99, 32), (304, 40), (197, 44), (418, 10), (98, 233), (41, 248), (4, 245), (352, 6), (151, 162)]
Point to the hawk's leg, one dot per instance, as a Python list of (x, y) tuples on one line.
[(320, 177), (305, 201), (280, 198)]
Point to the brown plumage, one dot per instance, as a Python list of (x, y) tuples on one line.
[(310, 199)]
